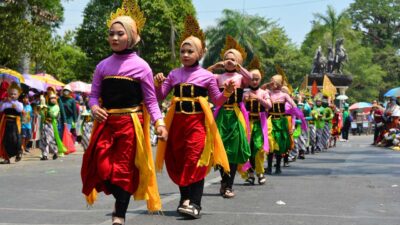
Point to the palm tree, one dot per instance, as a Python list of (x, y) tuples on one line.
[(246, 29), (332, 24)]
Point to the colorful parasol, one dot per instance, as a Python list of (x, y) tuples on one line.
[(48, 79), (11, 74), (364, 106), (395, 92), (33, 83), (79, 86)]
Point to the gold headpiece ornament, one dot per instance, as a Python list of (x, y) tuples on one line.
[(285, 79), (256, 65), (15, 86), (231, 43), (192, 28), (132, 9)]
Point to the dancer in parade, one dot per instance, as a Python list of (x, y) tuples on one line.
[(194, 144), (327, 117), (257, 101), (232, 118), (309, 113), (119, 159), (10, 125), (300, 136), (279, 130), (319, 122)]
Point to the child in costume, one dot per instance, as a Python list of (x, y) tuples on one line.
[(27, 115), (119, 159), (194, 144), (257, 101), (10, 125), (50, 138), (232, 118)]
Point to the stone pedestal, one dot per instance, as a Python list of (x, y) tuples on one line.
[(341, 82)]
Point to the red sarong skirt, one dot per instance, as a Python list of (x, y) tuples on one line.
[(111, 156), (186, 140)]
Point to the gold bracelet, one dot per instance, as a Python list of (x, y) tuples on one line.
[(159, 122), (227, 94)]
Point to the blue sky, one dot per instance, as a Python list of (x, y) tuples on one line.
[(293, 15)]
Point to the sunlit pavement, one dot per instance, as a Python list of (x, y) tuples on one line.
[(354, 183)]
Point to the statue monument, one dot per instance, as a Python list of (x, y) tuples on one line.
[(332, 66)]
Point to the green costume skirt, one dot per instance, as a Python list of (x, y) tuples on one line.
[(233, 136), (257, 138), (280, 132)]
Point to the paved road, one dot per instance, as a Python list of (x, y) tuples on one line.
[(351, 184)]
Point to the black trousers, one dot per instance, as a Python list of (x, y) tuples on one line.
[(12, 139), (345, 133), (193, 192), (122, 198), (228, 180)]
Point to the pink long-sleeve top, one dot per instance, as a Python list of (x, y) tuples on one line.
[(242, 79), (192, 75), (262, 97), (132, 66)]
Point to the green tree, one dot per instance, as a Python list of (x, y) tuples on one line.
[(326, 29), (379, 20), (284, 53), (246, 29), (367, 75), (164, 22), (22, 24), (65, 60)]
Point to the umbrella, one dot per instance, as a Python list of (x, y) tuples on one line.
[(79, 86), (33, 83), (14, 75), (395, 92), (48, 79), (342, 97), (365, 106)]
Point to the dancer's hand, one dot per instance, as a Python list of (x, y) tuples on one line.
[(162, 133), (218, 65), (99, 114), (253, 96), (159, 78)]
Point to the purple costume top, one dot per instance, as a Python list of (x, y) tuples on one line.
[(132, 66), (192, 75), (17, 105)]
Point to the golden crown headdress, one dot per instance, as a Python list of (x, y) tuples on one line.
[(192, 28), (285, 78), (230, 43), (256, 65), (132, 9)]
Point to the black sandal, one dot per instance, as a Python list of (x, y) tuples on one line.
[(192, 210), (251, 180), (261, 179), (228, 193)]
